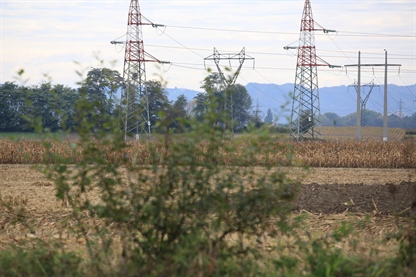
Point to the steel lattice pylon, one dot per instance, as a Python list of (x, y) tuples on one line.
[(305, 116), (227, 83), (364, 100), (135, 115), (217, 57)]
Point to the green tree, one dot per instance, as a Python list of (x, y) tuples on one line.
[(65, 111), (201, 106), (269, 117), (52, 105), (348, 120), (158, 102), (178, 113), (12, 107), (240, 103), (213, 83), (371, 118), (328, 119), (233, 100), (101, 86), (44, 106), (409, 122), (394, 121), (331, 116)]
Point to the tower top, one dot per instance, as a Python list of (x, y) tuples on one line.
[(308, 23)]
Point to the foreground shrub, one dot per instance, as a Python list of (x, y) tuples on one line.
[(185, 214), (39, 260)]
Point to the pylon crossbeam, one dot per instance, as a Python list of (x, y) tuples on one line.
[(227, 83), (217, 57)]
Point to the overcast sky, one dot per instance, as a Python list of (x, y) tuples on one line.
[(46, 37)]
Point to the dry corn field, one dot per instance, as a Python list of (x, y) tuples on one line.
[(332, 153), (367, 133)]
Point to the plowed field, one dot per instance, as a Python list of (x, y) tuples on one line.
[(329, 196), (324, 190)]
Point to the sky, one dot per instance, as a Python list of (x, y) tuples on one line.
[(53, 40)]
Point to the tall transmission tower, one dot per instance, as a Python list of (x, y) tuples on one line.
[(400, 108), (227, 83), (135, 116), (305, 117)]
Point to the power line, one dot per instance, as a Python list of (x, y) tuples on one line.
[(182, 45), (330, 71), (375, 35), (278, 54), (188, 67), (195, 66), (407, 86), (231, 30), (259, 53), (340, 33), (271, 97)]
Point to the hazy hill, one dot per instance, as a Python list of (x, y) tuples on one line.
[(339, 99)]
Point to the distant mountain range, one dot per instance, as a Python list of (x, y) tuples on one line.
[(341, 100)]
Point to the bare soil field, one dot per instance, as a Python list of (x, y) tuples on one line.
[(329, 197), (338, 190), (323, 190)]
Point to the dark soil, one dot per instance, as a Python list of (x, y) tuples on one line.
[(324, 190), (381, 199)]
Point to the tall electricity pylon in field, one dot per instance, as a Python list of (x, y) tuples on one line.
[(305, 117), (227, 83), (364, 100), (135, 113)]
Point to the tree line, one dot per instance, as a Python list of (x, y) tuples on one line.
[(369, 118), (55, 105)]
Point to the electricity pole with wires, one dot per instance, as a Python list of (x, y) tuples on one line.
[(135, 113), (385, 116), (305, 119)]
